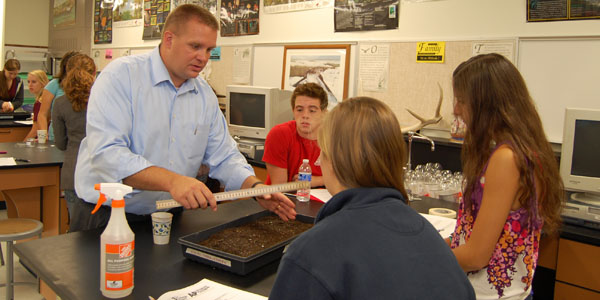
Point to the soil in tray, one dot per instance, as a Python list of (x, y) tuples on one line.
[(255, 236)]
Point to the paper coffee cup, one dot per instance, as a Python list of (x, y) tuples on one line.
[(42, 136), (161, 227)]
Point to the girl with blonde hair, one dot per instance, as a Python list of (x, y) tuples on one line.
[(37, 80)]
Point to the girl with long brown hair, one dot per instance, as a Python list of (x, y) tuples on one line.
[(69, 121), (512, 184), (11, 86)]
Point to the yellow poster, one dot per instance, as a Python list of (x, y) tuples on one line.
[(431, 52)]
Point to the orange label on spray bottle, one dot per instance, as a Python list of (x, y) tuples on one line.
[(119, 266)]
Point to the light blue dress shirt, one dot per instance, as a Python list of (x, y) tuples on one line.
[(136, 118)]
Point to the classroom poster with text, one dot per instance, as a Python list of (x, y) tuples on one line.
[(102, 23), (557, 10), (280, 6), (362, 15), (239, 17), (155, 14), (127, 13)]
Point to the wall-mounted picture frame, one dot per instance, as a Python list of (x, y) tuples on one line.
[(326, 65)]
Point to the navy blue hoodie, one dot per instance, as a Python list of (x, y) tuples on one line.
[(368, 244)]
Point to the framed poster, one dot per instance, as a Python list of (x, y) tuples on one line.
[(155, 15), (63, 13), (326, 65), (102, 23), (239, 17)]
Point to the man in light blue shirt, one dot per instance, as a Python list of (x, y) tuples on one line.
[(151, 123)]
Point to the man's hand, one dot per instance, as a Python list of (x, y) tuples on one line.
[(192, 193), (279, 204)]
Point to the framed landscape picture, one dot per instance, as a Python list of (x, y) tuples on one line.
[(326, 65)]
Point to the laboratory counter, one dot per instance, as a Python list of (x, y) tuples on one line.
[(69, 263), (12, 132)]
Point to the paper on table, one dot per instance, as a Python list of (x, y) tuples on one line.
[(209, 290), (7, 161), (445, 226), (29, 122), (322, 195)]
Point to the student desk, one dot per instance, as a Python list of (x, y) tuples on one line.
[(13, 132), (69, 263), (32, 189)]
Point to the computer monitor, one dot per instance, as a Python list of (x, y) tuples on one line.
[(252, 111), (580, 155)]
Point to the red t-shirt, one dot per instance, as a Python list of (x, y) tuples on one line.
[(285, 148)]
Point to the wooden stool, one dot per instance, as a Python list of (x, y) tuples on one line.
[(11, 230)]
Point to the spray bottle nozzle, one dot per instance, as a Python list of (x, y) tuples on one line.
[(115, 191)]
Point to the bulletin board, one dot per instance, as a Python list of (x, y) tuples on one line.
[(560, 73), (414, 85), (411, 85)]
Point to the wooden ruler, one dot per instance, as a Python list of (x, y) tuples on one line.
[(244, 193)]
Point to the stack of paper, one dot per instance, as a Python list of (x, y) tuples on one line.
[(209, 290)]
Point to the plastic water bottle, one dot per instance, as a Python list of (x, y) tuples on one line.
[(304, 174)]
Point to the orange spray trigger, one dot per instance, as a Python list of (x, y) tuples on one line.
[(101, 199)]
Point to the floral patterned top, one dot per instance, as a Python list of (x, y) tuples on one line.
[(509, 273)]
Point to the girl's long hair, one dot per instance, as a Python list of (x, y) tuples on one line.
[(81, 73), (498, 105), (10, 65), (361, 137)]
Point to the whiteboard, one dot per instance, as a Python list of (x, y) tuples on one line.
[(560, 73)]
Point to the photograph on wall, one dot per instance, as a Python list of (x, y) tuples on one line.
[(155, 15), (560, 10), (63, 13), (102, 23), (211, 5), (239, 17), (325, 65), (362, 15), (127, 13), (280, 6)]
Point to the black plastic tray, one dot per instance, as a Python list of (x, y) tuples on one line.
[(230, 262)]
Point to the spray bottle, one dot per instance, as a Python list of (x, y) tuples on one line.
[(116, 244)]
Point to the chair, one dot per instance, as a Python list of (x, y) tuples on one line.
[(14, 229)]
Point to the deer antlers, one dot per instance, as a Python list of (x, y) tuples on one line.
[(423, 122)]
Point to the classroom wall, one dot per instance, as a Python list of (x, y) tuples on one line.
[(412, 85), (435, 20), (26, 22)]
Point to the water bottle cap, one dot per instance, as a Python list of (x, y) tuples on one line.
[(305, 160)]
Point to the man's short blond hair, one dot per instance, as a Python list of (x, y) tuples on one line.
[(179, 17)]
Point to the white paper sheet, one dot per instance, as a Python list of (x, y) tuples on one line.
[(321, 194), (445, 226), (7, 161), (209, 290), (29, 122)]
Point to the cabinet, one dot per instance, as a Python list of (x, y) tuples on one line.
[(577, 271), (13, 134)]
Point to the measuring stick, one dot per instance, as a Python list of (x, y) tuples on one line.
[(244, 193)]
